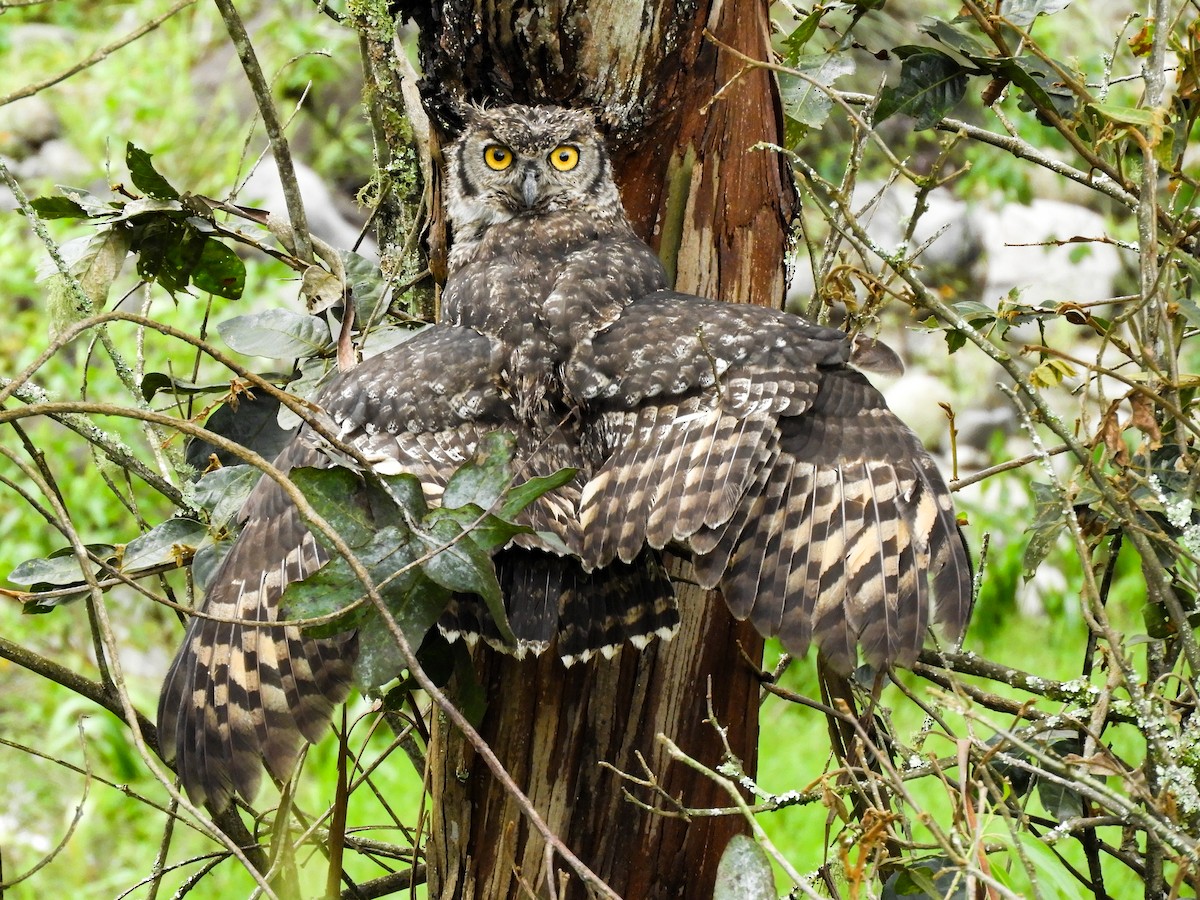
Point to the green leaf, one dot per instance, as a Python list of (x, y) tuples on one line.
[(488, 532), (385, 337), (276, 333), (463, 566), (222, 492), (172, 542), (368, 288), (1046, 529), (1127, 115), (59, 569), (482, 479), (58, 207), (153, 382), (313, 372), (219, 271), (141, 211), (1022, 12), (157, 247), (805, 102), (327, 591), (1042, 85), (379, 658), (405, 489), (338, 497), (956, 38), (525, 493), (145, 177), (801, 35), (388, 558), (933, 878), (744, 872), (931, 84)]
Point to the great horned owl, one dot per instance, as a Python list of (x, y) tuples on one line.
[(736, 434)]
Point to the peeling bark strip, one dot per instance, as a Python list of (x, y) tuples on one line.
[(719, 213)]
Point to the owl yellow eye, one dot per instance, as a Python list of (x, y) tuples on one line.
[(497, 157), (564, 158)]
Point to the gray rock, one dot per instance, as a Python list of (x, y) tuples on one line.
[(1025, 253), (263, 189)]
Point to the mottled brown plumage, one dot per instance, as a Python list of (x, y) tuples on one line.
[(739, 434)]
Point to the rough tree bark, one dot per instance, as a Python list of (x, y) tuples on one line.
[(682, 117)]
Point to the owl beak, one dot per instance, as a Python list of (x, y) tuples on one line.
[(530, 188)]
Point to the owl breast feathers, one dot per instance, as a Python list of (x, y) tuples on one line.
[(738, 435)]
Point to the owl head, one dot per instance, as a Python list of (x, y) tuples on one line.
[(514, 162)]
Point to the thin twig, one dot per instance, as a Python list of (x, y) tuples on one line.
[(266, 108), (99, 55)]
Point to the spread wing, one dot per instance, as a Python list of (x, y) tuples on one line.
[(237, 694), (743, 435)]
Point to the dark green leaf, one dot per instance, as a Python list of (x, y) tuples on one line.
[(436, 657), (219, 271), (388, 558), (1042, 85), (482, 479), (379, 658), (956, 38), (487, 531), (460, 565), (329, 590), (145, 178), (1019, 778), (935, 878), (58, 208), (276, 333), (1059, 800), (170, 543), (405, 490), (338, 497), (164, 252), (931, 84), (209, 556), (153, 382), (744, 872), (523, 494), (252, 423)]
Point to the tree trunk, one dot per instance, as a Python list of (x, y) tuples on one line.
[(718, 211)]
